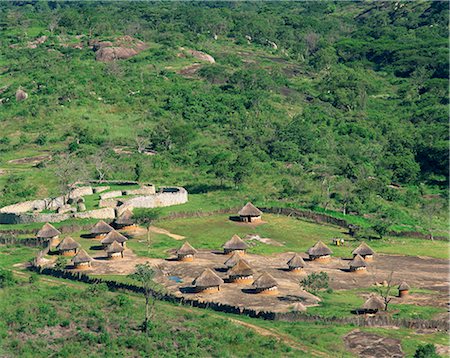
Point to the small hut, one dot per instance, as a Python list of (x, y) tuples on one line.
[(186, 252), (125, 220), (101, 229), (403, 289), (82, 260), (365, 251), (68, 247), (115, 251), (265, 284), (319, 251), (114, 236), (235, 244), (296, 263), (250, 213), (50, 233), (241, 273), (298, 307), (233, 260), (372, 305), (358, 265), (207, 282)]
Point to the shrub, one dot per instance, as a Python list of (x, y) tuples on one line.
[(426, 351), (6, 278), (315, 282)]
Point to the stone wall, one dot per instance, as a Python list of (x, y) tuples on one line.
[(111, 194), (24, 218)]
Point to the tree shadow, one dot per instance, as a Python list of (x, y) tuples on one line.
[(205, 188)]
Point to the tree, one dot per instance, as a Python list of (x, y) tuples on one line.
[(345, 193), (242, 167), (315, 282), (101, 165), (385, 290), (426, 351), (68, 170), (145, 218), (221, 165), (137, 171), (429, 210)]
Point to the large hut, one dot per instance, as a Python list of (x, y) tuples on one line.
[(249, 213), (101, 229), (115, 251), (403, 289), (365, 251), (82, 260), (235, 244), (50, 233), (241, 273), (186, 252), (68, 247), (233, 260), (296, 263), (125, 220), (265, 284), (114, 236), (358, 265), (372, 305), (207, 282), (319, 252)]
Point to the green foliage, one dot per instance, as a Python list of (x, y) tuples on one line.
[(316, 282), (426, 351), (60, 263), (6, 278)]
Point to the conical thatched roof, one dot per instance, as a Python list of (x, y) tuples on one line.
[(235, 243), (298, 307), (68, 244), (233, 260), (101, 228), (403, 286), (207, 278), (48, 231), (373, 303), (81, 257), (114, 248), (265, 281), (357, 262), (363, 249), (296, 261), (186, 249), (250, 210), (319, 249), (241, 268), (126, 218), (113, 236)]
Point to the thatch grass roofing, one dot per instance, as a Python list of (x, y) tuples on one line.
[(363, 249), (265, 281), (186, 249), (81, 257), (319, 249), (233, 259), (207, 278), (114, 248), (357, 262), (250, 210), (373, 303), (48, 231), (235, 243), (113, 236), (403, 286), (242, 268), (298, 307), (125, 219), (296, 261), (101, 228), (68, 244)]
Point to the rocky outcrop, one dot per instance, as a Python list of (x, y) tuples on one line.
[(200, 55), (122, 48), (21, 95)]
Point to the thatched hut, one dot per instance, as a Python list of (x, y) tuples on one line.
[(125, 220), (372, 305), (235, 244), (241, 273), (114, 236), (298, 307), (319, 251), (296, 263), (207, 282), (233, 260), (115, 251), (101, 229), (358, 265), (265, 284), (249, 213), (186, 252), (68, 247), (403, 289), (365, 251), (82, 260), (50, 233)]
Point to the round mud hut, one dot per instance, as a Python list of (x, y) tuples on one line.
[(113, 236), (265, 284), (358, 265), (296, 264), (186, 252), (249, 213), (403, 289), (68, 247), (373, 305), (100, 230), (207, 282), (115, 251), (125, 220), (235, 244), (241, 273), (49, 233), (82, 260), (233, 260), (319, 252), (298, 307), (365, 251)]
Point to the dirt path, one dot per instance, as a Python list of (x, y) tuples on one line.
[(159, 230)]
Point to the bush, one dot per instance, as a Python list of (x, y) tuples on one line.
[(6, 278), (426, 351), (315, 282)]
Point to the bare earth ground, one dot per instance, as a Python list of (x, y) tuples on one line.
[(30, 160), (369, 345)]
